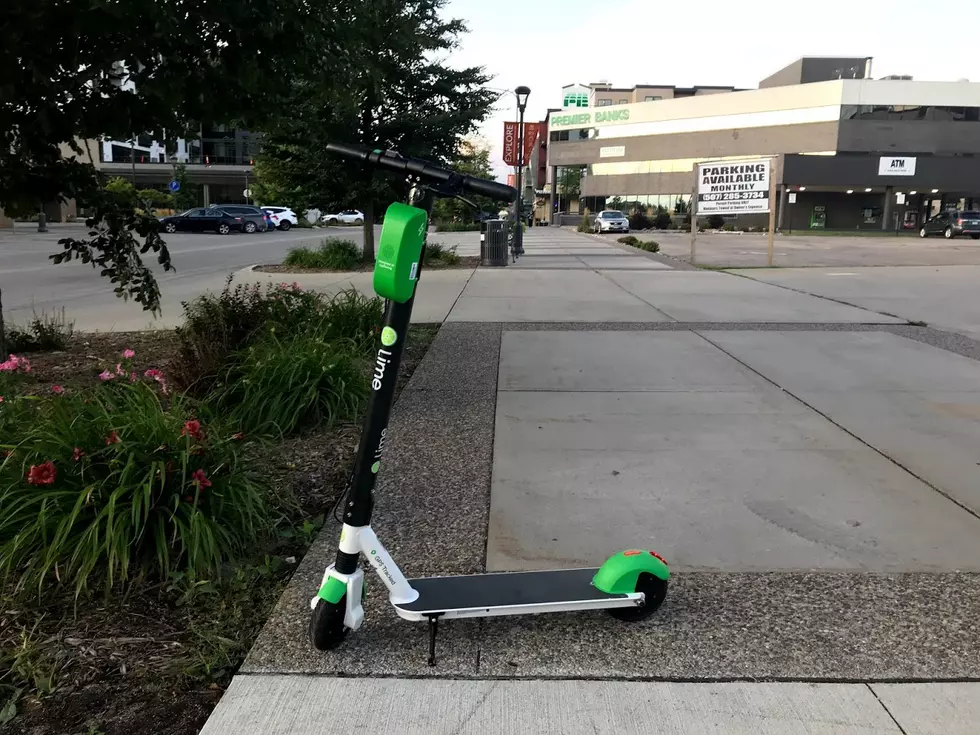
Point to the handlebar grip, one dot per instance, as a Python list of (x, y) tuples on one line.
[(492, 189), (349, 151)]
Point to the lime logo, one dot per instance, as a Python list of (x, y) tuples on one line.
[(373, 552), (375, 467), (388, 336)]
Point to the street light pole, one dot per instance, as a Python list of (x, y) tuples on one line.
[(522, 93)]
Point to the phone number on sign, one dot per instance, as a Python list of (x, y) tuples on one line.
[(734, 196)]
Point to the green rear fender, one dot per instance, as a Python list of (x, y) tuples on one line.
[(619, 574), (333, 590)]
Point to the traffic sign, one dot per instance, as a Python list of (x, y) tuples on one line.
[(175, 186)]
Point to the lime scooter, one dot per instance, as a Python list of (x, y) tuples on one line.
[(631, 585)]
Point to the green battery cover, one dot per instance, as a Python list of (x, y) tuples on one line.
[(399, 250)]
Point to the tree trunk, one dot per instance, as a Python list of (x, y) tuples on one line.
[(368, 252)]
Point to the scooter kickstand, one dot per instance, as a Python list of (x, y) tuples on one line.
[(433, 629)]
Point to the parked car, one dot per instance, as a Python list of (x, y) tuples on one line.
[(610, 220), (253, 218), (952, 223), (347, 217), (284, 217), (200, 219)]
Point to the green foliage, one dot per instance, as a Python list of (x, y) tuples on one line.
[(397, 91), (728, 227), (217, 326), (585, 224), (43, 333), (662, 221), (111, 482), (438, 255), (189, 195), (473, 159), (681, 207), (639, 221), (570, 181), (285, 385), (457, 227), (332, 254), (715, 222), (649, 245), (628, 240), (154, 199), (120, 187)]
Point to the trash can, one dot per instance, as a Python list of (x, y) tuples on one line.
[(493, 242)]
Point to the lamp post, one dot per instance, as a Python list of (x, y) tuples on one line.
[(522, 93)]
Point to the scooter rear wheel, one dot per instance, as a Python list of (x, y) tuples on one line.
[(327, 629), (654, 592)]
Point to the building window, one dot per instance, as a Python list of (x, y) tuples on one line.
[(652, 98), (892, 113), (604, 103), (557, 135), (623, 102)]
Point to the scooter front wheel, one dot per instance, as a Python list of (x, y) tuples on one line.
[(327, 629), (654, 592)]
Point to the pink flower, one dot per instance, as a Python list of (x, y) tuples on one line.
[(57, 389), (133, 376), (153, 373), (129, 354), (296, 286), (1, 399), (113, 438), (200, 479), (119, 369), (106, 375), (192, 429), (41, 474), (77, 454), (13, 363)]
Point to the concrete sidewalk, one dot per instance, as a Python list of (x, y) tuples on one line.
[(298, 705), (793, 459)]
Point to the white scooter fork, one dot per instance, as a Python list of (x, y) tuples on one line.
[(363, 540)]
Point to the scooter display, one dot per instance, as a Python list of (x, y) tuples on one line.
[(631, 585)]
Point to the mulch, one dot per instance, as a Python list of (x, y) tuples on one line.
[(126, 665)]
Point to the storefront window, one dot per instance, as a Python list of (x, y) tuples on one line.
[(932, 113)]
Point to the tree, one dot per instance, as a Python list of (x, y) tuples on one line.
[(187, 195), (399, 94), (473, 159), (570, 181), (681, 207), (73, 72)]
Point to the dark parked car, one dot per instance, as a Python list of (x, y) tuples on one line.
[(953, 222), (203, 220), (253, 218)]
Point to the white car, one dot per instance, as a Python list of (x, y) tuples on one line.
[(611, 220), (347, 217), (284, 217)]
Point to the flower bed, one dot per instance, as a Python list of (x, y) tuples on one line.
[(145, 534)]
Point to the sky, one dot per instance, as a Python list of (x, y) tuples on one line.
[(546, 44)]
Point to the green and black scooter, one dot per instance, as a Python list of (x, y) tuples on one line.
[(631, 585)]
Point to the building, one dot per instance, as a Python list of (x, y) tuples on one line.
[(855, 152)]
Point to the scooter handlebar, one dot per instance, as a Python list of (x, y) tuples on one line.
[(426, 170)]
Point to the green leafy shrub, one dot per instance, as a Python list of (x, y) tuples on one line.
[(112, 482), (457, 226), (715, 222), (285, 385), (662, 221), (650, 246), (728, 227), (585, 224), (43, 333), (218, 325), (628, 240), (332, 254), (438, 255), (639, 221)]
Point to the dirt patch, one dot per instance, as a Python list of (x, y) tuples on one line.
[(155, 659), (465, 262)]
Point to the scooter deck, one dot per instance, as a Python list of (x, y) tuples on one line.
[(510, 592)]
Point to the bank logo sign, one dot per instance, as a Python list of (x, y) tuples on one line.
[(896, 166), (733, 188), (588, 119)]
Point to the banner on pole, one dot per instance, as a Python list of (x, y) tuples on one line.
[(738, 187), (510, 143), (530, 138)]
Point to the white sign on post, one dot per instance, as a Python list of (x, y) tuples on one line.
[(740, 187), (792, 197), (896, 166)]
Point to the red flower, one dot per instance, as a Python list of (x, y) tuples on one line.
[(192, 429), (41, 474), (77, 454), (113, 438), (238, 436), (200, 479), (57, 389)]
